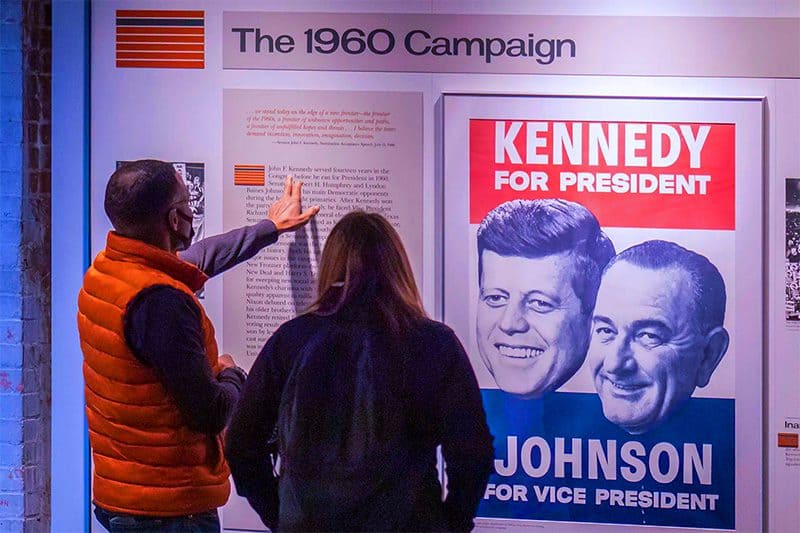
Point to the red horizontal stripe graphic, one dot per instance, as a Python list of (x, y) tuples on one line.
[(160, 55), (788, 440), (130, 13), (161, 30), (130, 63), (160, 39), (161, 47), (249, 175)]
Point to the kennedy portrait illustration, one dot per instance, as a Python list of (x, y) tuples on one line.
[(539, 266)]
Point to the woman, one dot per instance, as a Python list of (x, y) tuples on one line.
[(360, 391)]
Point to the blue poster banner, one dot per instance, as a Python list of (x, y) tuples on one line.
[(558, 458)]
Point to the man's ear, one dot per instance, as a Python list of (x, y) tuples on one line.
[(716, 344), (172, 219)]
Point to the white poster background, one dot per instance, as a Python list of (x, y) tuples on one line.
[(739, 375)]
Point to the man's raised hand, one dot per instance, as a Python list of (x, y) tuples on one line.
[(287, 213)]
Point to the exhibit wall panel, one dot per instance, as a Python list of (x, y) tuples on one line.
[(782, 456), (180, 115)]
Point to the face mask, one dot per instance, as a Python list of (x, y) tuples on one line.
[(184, 241)]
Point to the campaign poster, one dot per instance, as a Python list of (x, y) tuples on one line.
[(603, 270)]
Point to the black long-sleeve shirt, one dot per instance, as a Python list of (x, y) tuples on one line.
[(444, 403), (163, 328)]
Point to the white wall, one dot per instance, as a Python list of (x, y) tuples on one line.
[(178, 116)]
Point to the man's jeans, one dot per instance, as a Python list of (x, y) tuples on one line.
[(206, 522)]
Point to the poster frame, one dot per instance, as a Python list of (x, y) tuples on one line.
[(456, 192)]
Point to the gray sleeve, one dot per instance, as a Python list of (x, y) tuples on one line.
[(217, 254)]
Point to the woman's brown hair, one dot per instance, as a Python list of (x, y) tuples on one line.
[(364, 269)]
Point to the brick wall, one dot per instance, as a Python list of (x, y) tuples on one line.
[(25, 65)]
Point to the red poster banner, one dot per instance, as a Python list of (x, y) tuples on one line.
[(629, 174)]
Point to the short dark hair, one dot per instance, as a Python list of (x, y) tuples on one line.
[(139, 192), (708, 287), (538, 228)]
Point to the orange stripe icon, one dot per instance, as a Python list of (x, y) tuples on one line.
[(788, 440), (249, 175), (160, 39)]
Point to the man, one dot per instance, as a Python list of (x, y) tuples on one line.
[(157, 393), (539, 265), (657, 332)]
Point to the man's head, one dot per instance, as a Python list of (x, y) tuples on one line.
[(539, 265), (147, 200), (657, 332)]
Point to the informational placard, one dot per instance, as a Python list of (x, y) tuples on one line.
[(601, 263), (351, 150)]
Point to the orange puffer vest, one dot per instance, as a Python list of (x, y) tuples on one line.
[(146, 460)]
